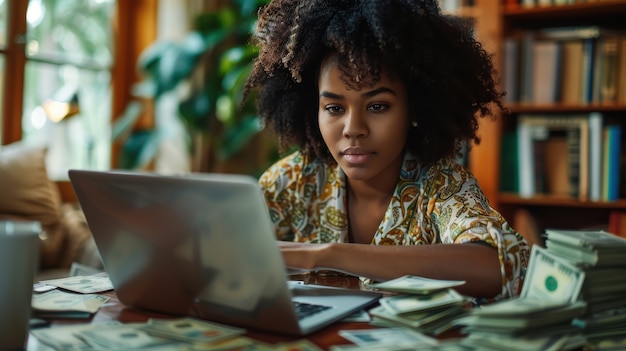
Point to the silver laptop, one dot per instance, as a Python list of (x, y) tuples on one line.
[(202, 245)]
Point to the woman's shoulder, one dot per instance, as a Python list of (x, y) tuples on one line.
[(294, 167), (449, 169)]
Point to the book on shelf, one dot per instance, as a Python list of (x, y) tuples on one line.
[(511, 69), (596, 121), (526, 67), (588, 60), (572, 72), (606, 70), (611, 162), (546, 71), (543, 3), (621, 71)]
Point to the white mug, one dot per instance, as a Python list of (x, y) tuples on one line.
[(19, 260)]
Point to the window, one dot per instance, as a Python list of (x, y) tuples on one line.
[(69, 55), (72, 51)]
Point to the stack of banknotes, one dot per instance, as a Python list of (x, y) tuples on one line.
[(540, 318), (574, 296), (602, 257), (422, 304)]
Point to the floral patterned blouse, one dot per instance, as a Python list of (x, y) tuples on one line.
[(439, 203)]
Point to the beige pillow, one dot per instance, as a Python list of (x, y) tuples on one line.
[(26, 191)]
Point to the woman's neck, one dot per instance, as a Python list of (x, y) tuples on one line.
[(367, 203), (376, 189)]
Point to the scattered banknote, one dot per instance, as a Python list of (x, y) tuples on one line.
[(39, 287), (400, 304), (65, 337), (88, 284), (481, 341), (446, 345), (122, 337), (82, 269), (551, 278), (191, 330), (518, 306), (184, 334), (59, 301), (508, 317), (298, 345), (358, 316), (387, 336), (411, 284)]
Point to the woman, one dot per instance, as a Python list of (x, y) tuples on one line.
[(374, 99)]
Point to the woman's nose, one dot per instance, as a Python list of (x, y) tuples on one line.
[(355, 125)]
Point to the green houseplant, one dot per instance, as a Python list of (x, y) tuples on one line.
[(212, 62)]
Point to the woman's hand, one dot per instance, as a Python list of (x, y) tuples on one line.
[(301, 256)]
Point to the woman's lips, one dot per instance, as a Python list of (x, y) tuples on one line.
[(356, 156)]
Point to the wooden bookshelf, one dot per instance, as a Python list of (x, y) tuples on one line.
[(588, 13), (560, 108), (495, 21), (512, 199)]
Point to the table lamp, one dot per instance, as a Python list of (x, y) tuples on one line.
[(62, 105)]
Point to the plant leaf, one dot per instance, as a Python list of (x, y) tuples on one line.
[(237, 137)]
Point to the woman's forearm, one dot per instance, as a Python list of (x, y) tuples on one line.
[(478, 265)]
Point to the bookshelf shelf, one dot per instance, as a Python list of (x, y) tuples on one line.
[(598, 13), (551, 201), (558, 108)]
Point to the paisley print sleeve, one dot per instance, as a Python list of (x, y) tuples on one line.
[(462, 214)]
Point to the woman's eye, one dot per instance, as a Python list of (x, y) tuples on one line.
[(377, 107), (334, 109)]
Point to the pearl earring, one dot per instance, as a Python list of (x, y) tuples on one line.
[(414, 124)]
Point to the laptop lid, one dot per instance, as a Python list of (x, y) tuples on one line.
[(200, 245)]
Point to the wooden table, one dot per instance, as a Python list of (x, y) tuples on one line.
[(113, 310)]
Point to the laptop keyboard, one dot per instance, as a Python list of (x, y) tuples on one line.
[(304, 310)]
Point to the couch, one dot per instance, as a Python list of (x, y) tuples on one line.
[(26, 193)]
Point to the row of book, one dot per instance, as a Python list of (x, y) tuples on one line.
[(544, 3), (565, 65), (578, 156), (452, 6)]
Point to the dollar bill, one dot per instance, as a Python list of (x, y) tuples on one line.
[(122, 337), (551, 278), (484, 341), (82, 269), (416, 319), (298, 345), (84, 284), (387, 336), (401, 304), (65, 337), (411, 284), (452, 345), (59, 301), (192, 330)]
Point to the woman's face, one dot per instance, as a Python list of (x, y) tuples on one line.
[(365, 130)]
